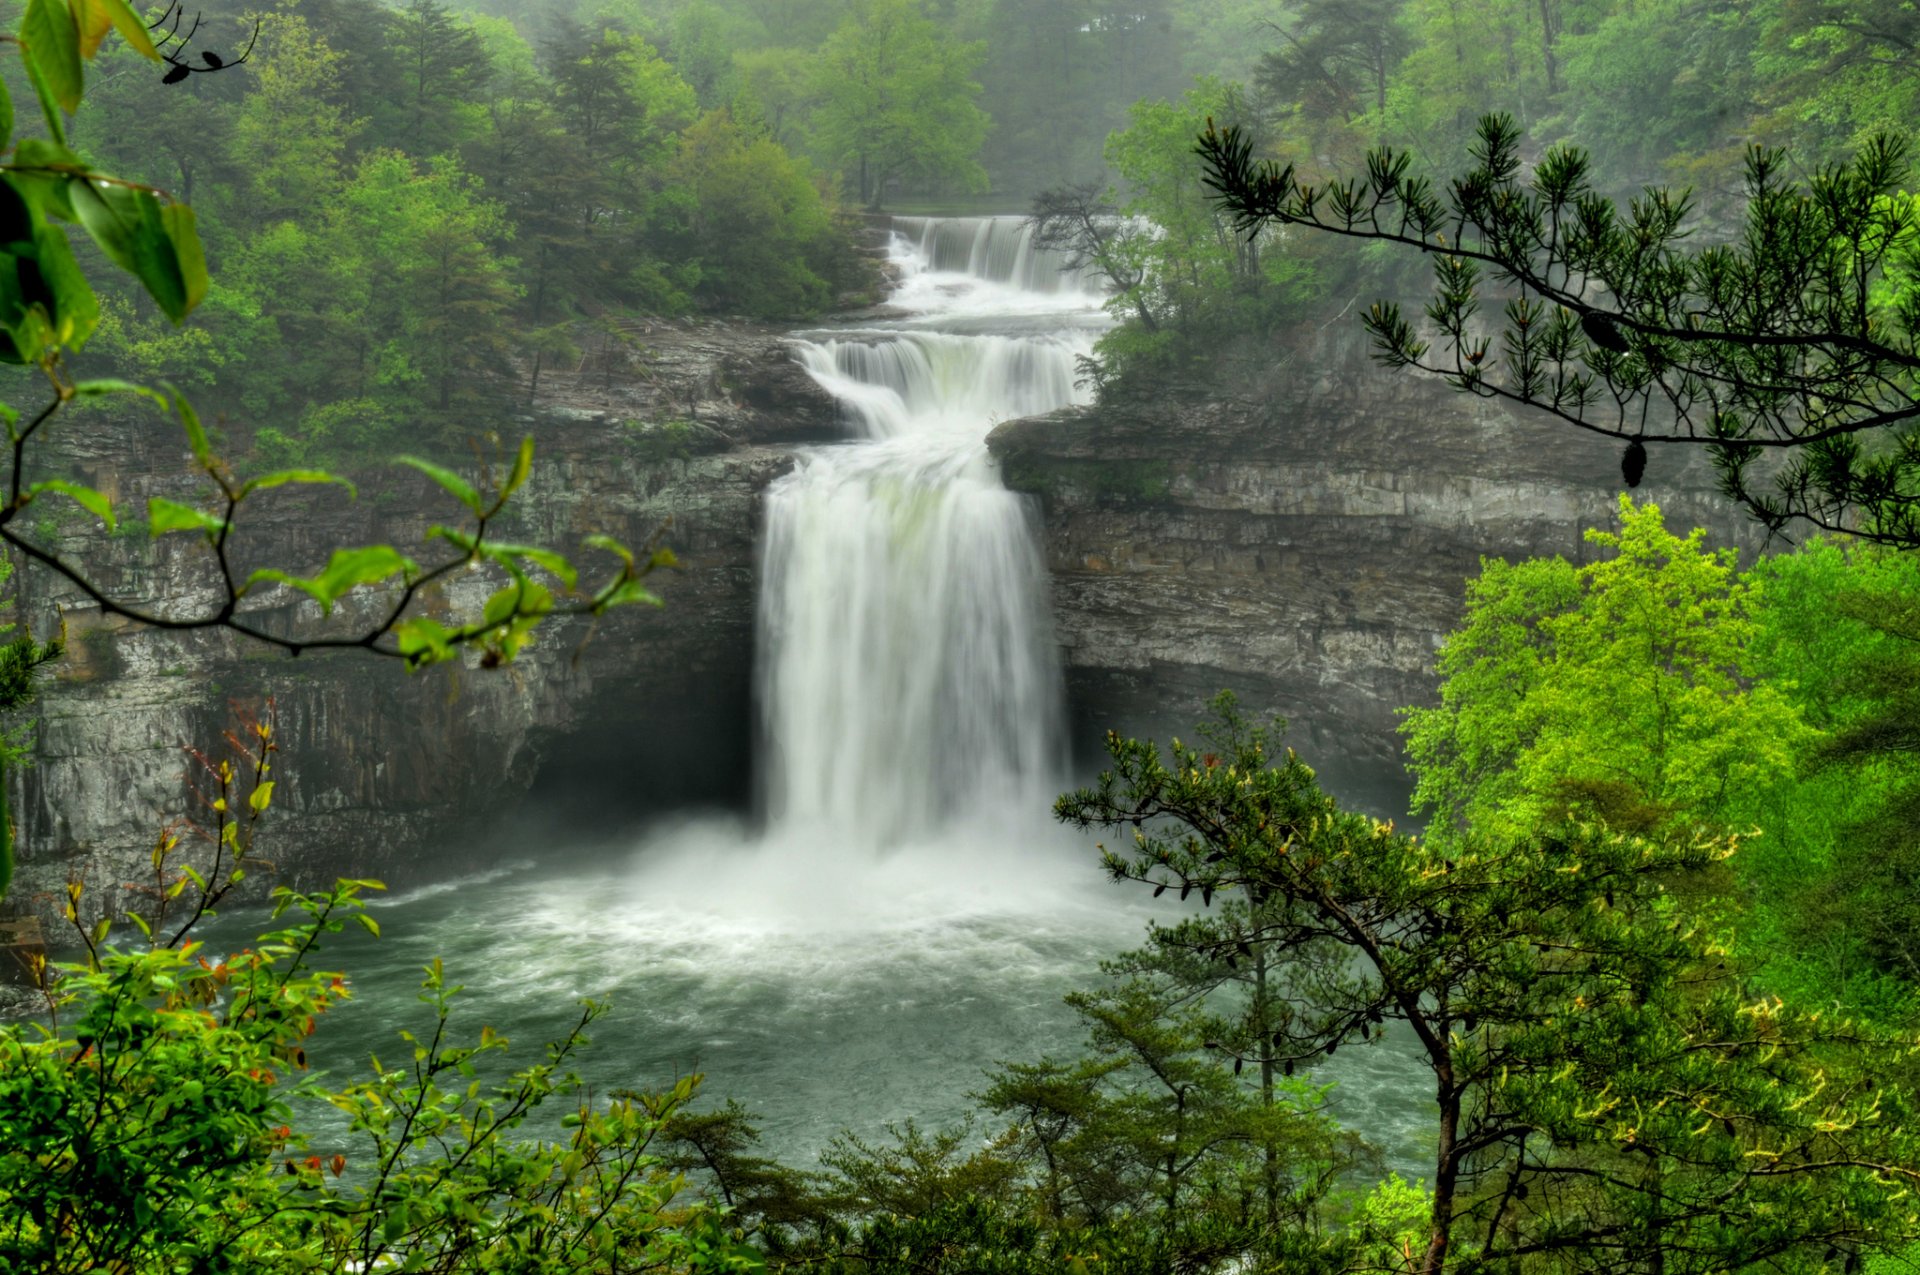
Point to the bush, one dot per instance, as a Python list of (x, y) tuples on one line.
[(150, 1125)]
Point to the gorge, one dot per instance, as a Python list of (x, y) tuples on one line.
[(909, 609)]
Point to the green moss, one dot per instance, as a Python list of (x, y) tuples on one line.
[(1102, 481), (662, 440)]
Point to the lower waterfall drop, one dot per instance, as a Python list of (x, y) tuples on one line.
[(908, 673)]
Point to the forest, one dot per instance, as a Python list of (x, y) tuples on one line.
[(1645, 942)]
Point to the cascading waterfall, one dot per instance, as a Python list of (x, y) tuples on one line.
[(1000, 249), (908, 674), (912, 704)]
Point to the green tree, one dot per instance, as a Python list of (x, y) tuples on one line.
[(1335, 60), (1178, 266), (292, 132), (747, 222), (1837, 73), (444, 68), (429, 249), (153, 1127), (774, 89), (896, 102), (1783, 344), (1624, 686), (1175, 1130), (1608, 1096), (1645, 104), (1837, 626)]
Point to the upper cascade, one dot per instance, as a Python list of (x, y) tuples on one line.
[(997, 249), (944, 384)]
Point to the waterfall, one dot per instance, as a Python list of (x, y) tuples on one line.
[(999, 249), (907, 672)]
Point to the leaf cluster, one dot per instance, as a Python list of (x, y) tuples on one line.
[(152, 1126)]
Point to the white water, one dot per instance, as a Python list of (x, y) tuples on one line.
[(908, 674), (910, 915)]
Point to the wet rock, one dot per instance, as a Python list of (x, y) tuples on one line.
[(1304, 542), (381, 773)]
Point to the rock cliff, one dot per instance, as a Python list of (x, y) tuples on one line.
[(1304, 544), (379, 769)]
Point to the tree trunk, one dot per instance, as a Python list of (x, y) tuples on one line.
[(1549, 31), (1263, 1029), (1446, 1175)]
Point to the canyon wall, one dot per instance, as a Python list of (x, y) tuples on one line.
[(1303, 543), (379, 769)]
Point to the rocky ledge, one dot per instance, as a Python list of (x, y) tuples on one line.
[(1305, 544)]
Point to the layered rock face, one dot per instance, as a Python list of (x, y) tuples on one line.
[(1305, 545), (378, 768)]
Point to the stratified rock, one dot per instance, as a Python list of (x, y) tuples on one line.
[(385, 774), (1304, 543)]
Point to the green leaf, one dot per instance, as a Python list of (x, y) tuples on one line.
[(261, 798), (611, 545), (196, 433), (131, 229), (281, 478), (346, 569), (555, 563), (49, 109), (178, 220), (50, 41), (625, 593), (6, 118), (522, 466), (423, 641), (73, 312), (86, 497), (92, 22), (38, 152), (165, 515), (459, 539), (521, 598), (130, 27), (100, 387), (41, 174), (454, 483)]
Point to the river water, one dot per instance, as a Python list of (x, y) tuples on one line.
[(900, 912)]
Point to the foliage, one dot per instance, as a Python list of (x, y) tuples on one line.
[(1779, 344), (1623, 688), (1837, 627), (753, 233), (896, 101), (411, 207), (1605, 1089), (1177, 270), (152, 1128), (153, 239)]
